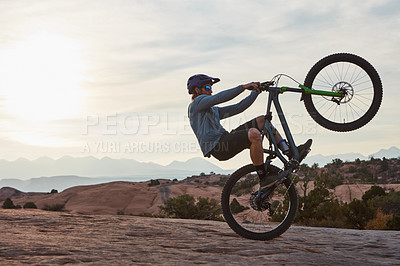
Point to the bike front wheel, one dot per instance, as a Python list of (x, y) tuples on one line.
[(360, 84), (253, 218)]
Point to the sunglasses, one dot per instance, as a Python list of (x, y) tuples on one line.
[(208, 88)]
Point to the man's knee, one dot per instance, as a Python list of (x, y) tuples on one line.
[(254, 135), (260, 122)]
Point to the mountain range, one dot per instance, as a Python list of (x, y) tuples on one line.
[(321, 160), (105, 167), (45, 174)]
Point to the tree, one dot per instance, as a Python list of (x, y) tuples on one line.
[(310, 174), (384, 165), (373, 192), (8, 204), (394, 223), (358, 213), (389, 203)]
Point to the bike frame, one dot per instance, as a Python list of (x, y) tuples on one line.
[(274, 99)]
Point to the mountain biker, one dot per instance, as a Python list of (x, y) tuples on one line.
[(214, 140)]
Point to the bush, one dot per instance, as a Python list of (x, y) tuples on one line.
[(379, 222), (154, 183), (358, 213), (245, 185), (53, 191), (236, 207), (185, 207), (388, 204), (30, 205), (55, 207), (8, 204), (373, 192), (394, 223)]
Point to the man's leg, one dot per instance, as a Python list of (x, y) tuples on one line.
[(303, 149), (257, 153), (261, 123), (256, 148)]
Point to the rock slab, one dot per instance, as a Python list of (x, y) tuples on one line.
[(40, 237)]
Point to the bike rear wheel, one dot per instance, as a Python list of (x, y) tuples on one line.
[(263, 220), (357, 79)]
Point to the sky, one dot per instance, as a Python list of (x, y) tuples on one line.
[(108, 78)]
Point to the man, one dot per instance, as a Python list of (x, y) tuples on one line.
[(214, 140)]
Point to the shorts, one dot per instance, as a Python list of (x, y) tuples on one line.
[(232, 143)]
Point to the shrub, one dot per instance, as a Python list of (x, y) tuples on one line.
[(394, 223), (154, 183), (30, 205), (53, 191), (208, 209), (185, 207), (379, 222), (373, 192), (245, 185), (8, 204), (55, 207), (389, 203), (146, 214), (236, 207), (358, 213), (181, 207)]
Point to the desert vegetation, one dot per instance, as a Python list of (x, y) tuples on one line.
[(186, 207), (378, 209), (320, 204)]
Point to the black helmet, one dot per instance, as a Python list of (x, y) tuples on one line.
[(199, 81)]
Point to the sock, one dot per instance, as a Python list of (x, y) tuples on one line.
[(283, 146), (260, 169)]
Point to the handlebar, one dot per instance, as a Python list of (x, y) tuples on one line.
[(269, 84)]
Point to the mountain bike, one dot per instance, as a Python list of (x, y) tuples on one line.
[(341, 92)]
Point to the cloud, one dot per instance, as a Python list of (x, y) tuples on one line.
[(139, 54)]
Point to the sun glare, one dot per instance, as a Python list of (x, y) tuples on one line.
[(40, 78)]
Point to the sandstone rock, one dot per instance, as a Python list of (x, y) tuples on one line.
[(40, 237)]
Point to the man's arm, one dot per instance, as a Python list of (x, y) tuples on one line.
[(234, 109), (207, 101)]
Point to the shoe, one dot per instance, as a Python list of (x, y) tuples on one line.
[(269, 181), (303, 150)]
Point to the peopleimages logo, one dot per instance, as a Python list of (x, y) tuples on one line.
[(161, 132), (175, 124), (140, 147), (137, 124)]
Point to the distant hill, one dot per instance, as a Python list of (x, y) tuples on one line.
[(139, 198), (105, 167), (322, 160), (45, 174)]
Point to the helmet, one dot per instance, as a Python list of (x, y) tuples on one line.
[(199, 81)]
